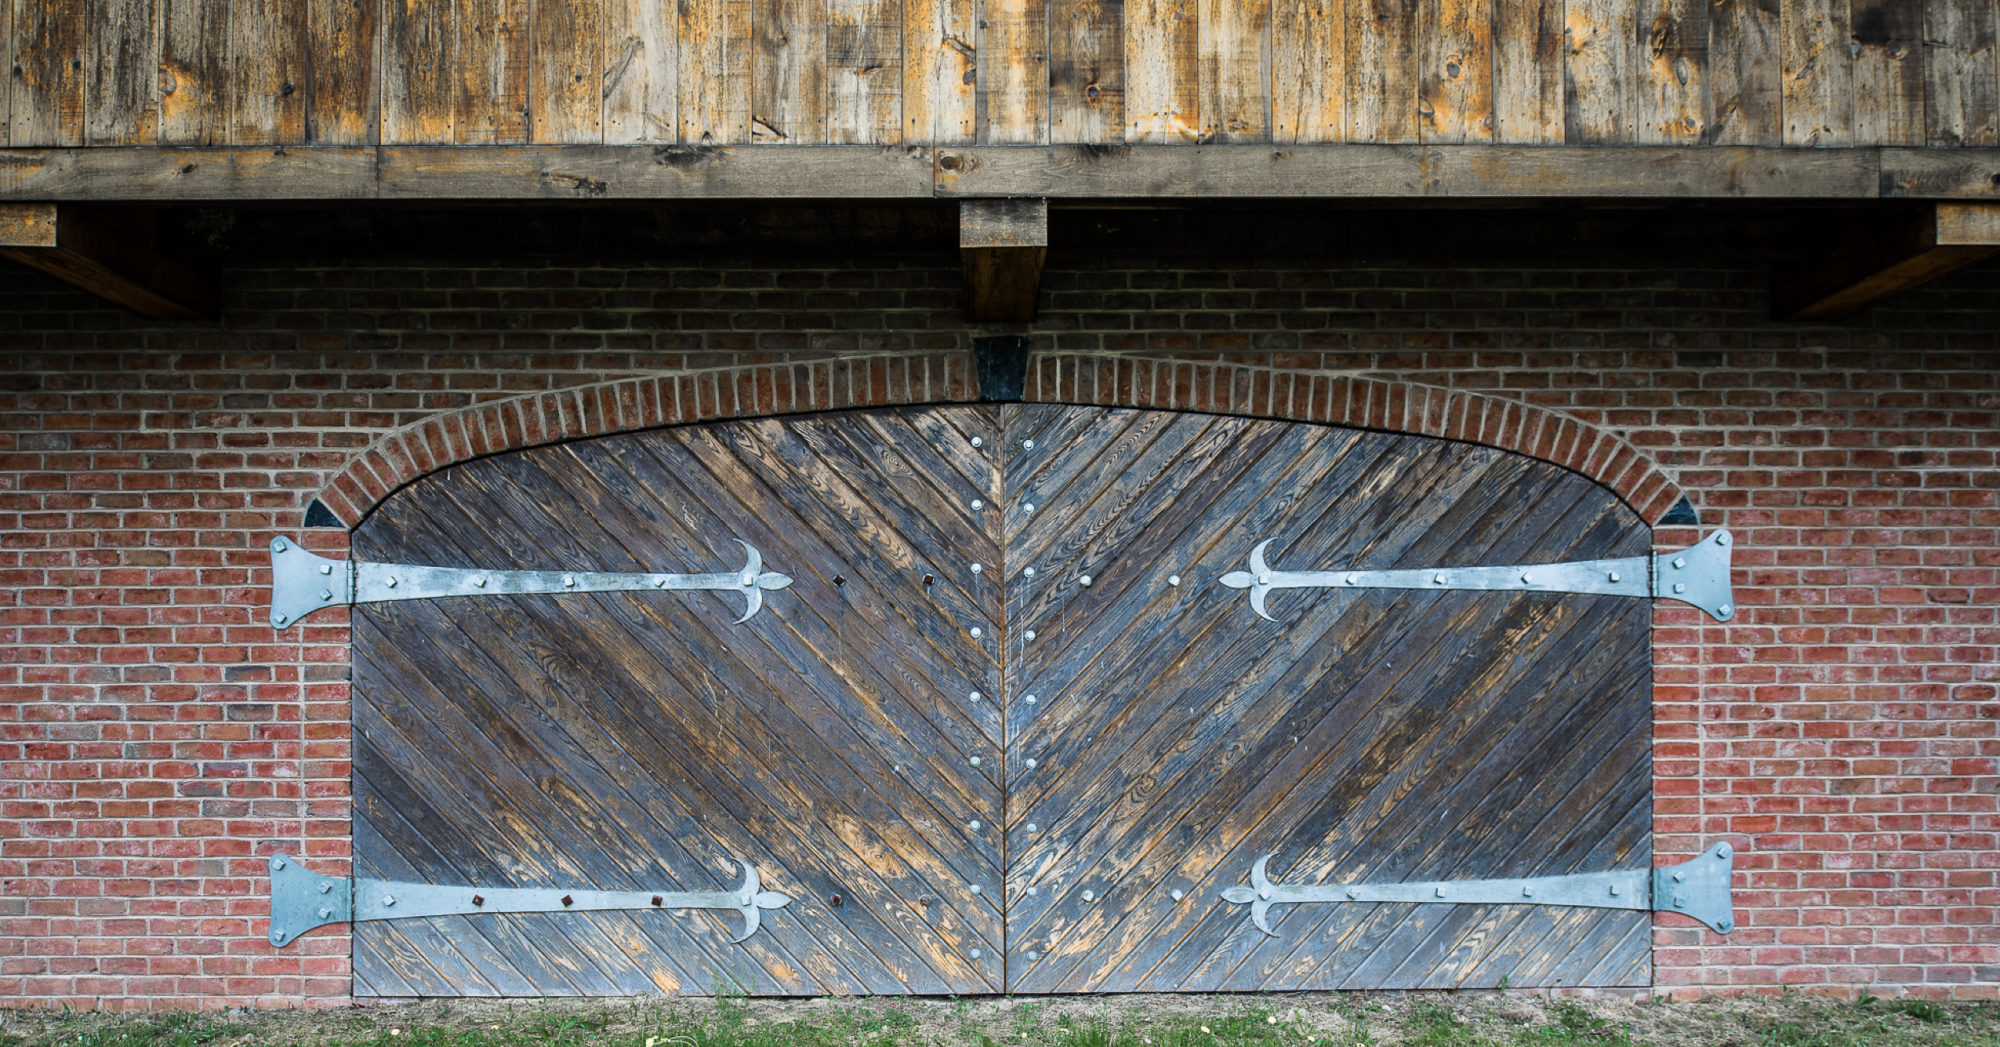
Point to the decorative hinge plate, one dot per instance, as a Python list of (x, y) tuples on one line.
[(1698, 888), (301, 901), (1697, 575), (302, 582)]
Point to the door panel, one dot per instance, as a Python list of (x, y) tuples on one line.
[(645, 741), (1373, 735)]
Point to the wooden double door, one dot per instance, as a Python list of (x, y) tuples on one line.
[(1005, 732)]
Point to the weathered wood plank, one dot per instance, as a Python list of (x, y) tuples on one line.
[(641, 78), (716, 62), (1880, 259), (1671, 99), (940, 71), (122, 82), (1393, 171), (1013, 85), (864, 71), (1162, 71), (1087, 71), (1961, 80), (1598, 88), (331, 173), (269, 75), (342, 106), (1234, 70), (1745, 38), (1455, 100), (649, 172), (46, 92), (1384, 75), (566, 85), (493, 73), (423, 72), (1818, 74), (1308, 71), (790, 66), (1888, 73), (1527, 71), (1941, 174)]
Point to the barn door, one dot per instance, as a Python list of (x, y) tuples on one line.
[(646, 741), (1174, 737)]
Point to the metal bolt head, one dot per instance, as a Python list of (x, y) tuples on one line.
[(277, 863), (278, 545), (1679, 588), (1031, 634), (1032, 829), (1030, 761), (1353, 578), (277, 934), (975, 696), (973, 825), (390, 582), (749, 580), (1527, 892), (325, 887), (1028, 508), (278, 619), (1722, 537), (1680, 901), (974, 954), (1175, 894), (1614, 576), (976, 568), (1526, 577), (1722, 851), (326, 594), (975, 761), (569, 580), (388, 899), (977, 504), (1263, 579), (1030, 699), (1723, 610), (976, 633), (1352, 893), (1614, 890), (1264, 893), (1679, 563), (1033, 955), (1084, 580), (1440, 892), (326, 568), (1439, 579), (1089, 896), (977, 442), (1027, 572), (1173, 579), (1027, 445), (974, 888), (481, 582), (1032, 891)]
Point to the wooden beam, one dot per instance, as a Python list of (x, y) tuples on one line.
[(109, 252), (1003, 244), (1881, 259)]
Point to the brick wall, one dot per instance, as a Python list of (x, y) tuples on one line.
[(156, 739)]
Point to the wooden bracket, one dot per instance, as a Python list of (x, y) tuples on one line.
[(1002, 243), (1876, 262), (109, 252)]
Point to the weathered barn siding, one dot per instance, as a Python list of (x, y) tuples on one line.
[(927, 72)]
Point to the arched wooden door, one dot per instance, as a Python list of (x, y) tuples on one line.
[(1010, 779)]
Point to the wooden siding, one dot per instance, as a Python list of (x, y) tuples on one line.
[(919, 72)]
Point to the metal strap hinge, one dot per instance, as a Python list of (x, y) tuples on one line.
[(302, 900), (1698, 888), (302, 582), (1697, 575)]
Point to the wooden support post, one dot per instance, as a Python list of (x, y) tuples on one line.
[(109, 252), (1878, 262), (1003, 243)]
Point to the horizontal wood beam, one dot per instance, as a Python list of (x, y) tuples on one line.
[(109, 252), (1883, 258), (1003, 244), (1063, 172)]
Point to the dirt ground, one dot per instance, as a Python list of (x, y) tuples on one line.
[(1267, 1020)]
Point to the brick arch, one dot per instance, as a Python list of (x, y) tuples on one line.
[(1235, 387)]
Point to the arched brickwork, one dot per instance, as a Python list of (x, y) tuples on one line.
[(1236, 387)]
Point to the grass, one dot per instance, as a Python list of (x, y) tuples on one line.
[(1290, 1020)]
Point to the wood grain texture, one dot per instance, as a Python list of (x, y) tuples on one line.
[(1745, 38), (1888, 56), (342, 106), (566, 90), (715, 70), (643, 740), (1087, 71), (640, 172), (1599, 41), (1365, 736), (1234, 70), (1817, 73), (424, 76), (641, 81), (494, 72), (1527, 71), (1455, 101), (864, 71), (1961, 79), (1671, 101), (1384, 74), (1308, 71), (790, 64), (1162, 71), (122, 80), (1012, 95), (269, 72), (332, 173), (940, 71), (46, 92)]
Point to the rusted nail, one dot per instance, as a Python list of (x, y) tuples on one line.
[(930, 580), (478, 900), (657, 899), (840, 579), (925, 900), (567, 900), (834, 901)]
